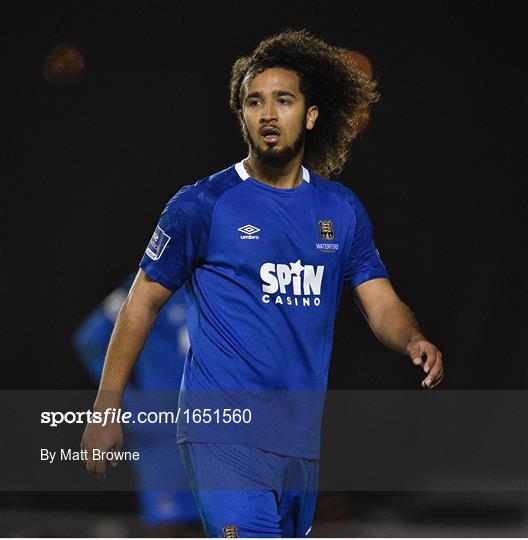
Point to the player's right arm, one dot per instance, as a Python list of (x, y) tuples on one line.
[(178, 244), (137, 314)]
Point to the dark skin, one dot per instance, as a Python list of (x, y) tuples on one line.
[(272, 99)]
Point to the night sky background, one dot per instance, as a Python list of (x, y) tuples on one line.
[(441, 168)]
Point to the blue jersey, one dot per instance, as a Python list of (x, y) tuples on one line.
[(160, 365), (164, 496), (263, 270)]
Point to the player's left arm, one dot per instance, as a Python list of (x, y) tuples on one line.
[(395, 325)]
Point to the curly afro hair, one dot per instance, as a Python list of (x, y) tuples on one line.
[(329, 78)]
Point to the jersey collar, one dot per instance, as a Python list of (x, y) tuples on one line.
[(241, 170)]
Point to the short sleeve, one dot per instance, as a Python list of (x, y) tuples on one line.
[(363, 262), (178, 242)]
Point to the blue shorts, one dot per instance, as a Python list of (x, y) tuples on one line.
[(243, 491)]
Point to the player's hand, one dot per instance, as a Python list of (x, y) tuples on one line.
[(103, 438), (425, 354)]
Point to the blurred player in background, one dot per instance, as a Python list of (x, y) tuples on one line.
[(158, 372), (264, 249)]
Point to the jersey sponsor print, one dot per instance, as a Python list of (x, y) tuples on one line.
[(263, 270)]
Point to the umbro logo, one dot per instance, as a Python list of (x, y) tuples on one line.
[(249, 232), (249, 229)]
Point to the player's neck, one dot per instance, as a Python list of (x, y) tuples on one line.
[(287, 177)]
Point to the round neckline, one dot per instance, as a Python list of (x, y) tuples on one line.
[(284, 191), (244, 175)]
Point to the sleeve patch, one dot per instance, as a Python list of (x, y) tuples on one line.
[(157, 244)]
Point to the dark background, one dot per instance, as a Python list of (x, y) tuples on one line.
[(440, 168)]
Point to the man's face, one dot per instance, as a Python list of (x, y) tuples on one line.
[(275, 116)]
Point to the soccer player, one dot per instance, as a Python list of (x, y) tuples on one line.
[(264, 249), (155, 382)]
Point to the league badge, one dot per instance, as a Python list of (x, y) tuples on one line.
[(157, 244)]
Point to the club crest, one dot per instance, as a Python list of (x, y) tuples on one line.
[(230, 531), (326, 229)]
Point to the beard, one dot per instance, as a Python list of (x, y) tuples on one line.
[(274, 157)]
